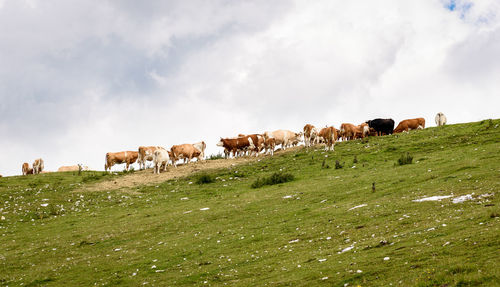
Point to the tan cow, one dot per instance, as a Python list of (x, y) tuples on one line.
[(347, 131), (25, 168), (145, 153), (361, 131), (269, 146), (38, 166), (410, 124), (72, 168), (185, 152), (285, 138), (127, 157), (328, 135)]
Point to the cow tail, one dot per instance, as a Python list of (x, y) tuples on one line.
[(106, 162)]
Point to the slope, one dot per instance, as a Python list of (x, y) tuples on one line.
[(326, 227)]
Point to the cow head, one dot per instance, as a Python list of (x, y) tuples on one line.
[(221, 142)]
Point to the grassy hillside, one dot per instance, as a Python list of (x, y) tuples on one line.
[(325, 227)]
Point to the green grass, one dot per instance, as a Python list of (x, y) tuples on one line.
[(285, 234)]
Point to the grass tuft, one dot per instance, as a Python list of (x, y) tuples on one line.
[(405, 159), (275, 178), (204, 179)]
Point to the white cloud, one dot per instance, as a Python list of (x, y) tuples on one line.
[(80, 79)]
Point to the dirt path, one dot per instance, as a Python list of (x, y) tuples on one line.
[(146, 177)]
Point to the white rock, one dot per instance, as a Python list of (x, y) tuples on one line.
[(386, 258), (432, 198), (358, 206)]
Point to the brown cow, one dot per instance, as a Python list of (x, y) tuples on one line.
[(235, 145), (38, 166), (25, 168), (112, 158), (184, 151), (328, 134), (310, 135), (270, 145), (257, 140), (347, 131), (361, 131), (410, 124)]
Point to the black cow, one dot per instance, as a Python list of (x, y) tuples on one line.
[(382, 126)]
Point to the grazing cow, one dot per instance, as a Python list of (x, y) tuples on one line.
[(382, 126), (201, 146), (25, 168), (145, 153), (69, 168), (112, 158), (38, 166), (185, 152), (72, 168), (410, 124), (372, 132), (440, 119), (283, 137), (310, 135), (328, 135), (233, 145), (160, 159)]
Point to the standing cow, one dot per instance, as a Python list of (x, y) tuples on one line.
[(382, 126), (201, 146), (329, 135), (283, 137), (26, 168), (38, 166), (112, 158), (185, 152), (235, 145), (310, 135), (440, 119), (145, 153), (160, 159)]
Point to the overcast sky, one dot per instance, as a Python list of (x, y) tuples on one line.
[(82, 78)]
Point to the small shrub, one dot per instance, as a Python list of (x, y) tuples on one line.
[(204, 178), (405, 159), (275, 178), (338, 165), (216, 156), (355, 160)]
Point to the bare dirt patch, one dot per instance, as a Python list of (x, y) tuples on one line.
[(146, 177)]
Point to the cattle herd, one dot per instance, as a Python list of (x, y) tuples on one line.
[(251, 145)]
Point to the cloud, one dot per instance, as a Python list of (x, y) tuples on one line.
[(80, 79)]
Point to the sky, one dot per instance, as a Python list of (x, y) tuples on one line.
[(82, 78)]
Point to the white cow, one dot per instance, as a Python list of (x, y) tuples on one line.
[(285, 138), (440, 119), (160, 158), (201, 146), (38, 166)]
